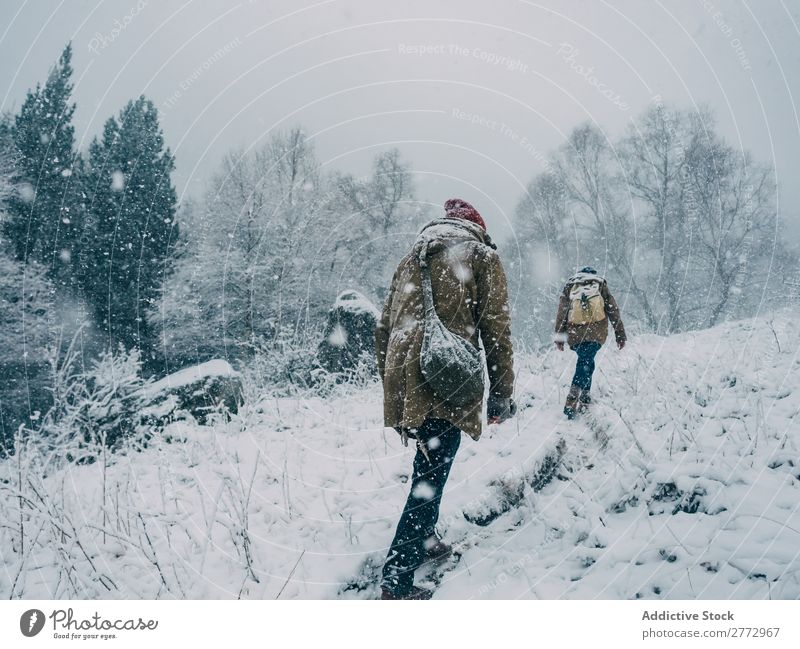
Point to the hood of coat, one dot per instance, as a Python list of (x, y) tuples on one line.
[(440, 233), (583, 278)]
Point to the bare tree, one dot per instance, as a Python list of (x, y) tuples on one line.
[(737, 223), (707, 208), (261, 255), (385, 216), (653, 155), (682, 224), (545, 247), (589, 169)]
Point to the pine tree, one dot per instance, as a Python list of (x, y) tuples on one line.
[(131, 223), (27, 334), (6, 164), (44, 216), (26, 313), (6, 133)]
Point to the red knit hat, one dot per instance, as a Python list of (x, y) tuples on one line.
[(455, 208)]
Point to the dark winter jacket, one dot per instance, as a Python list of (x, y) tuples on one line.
[(470, 295), (595, 331)]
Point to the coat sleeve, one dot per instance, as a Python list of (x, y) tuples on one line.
[(614, 315), (562, 315), (494, 324), (382, 329)]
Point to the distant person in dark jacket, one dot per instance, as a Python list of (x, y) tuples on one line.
[(584, 310), (470, 297)]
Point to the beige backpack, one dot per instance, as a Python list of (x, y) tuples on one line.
[(586, 303)]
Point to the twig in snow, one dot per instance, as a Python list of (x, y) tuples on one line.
[(245, 519), (18, 448), (630, 430), (296, 563), (154, 560), (212, 519), (774, 335), (23, 562), (77, 542), (771, 520)]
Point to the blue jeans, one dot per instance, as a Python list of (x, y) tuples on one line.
[(421, 512), (584, 368)]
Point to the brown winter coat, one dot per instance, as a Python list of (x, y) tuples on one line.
[(470, 295), (594, 331)]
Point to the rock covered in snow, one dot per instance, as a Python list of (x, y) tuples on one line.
[(349, 332), (199, 389)]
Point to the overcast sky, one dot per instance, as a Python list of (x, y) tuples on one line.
[(474, 93)]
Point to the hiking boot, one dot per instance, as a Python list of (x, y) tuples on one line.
[(436, 549), (584, 400), (571, 405), (415, 593)]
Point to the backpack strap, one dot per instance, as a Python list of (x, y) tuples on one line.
[(427, 288)]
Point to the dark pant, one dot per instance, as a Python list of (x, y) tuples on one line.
[(584, 368), (422, 507)]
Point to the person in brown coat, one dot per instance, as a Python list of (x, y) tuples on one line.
[(470, 298), (585, 308)]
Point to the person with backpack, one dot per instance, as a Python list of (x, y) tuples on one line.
[(585, 308), (448, 293)]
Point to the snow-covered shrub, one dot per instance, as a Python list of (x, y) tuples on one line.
[(286, 362), (97, 408), (360, 375), (291, 365)]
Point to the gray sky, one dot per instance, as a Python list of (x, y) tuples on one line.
[(474, 93)]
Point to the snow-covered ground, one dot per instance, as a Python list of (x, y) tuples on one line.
[(684, 483)]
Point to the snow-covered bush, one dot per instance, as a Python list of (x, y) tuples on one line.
[(291, 366), (287, 363), (361, 375), (97, 408)]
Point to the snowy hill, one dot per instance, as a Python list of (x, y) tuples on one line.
[(684, 483)]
